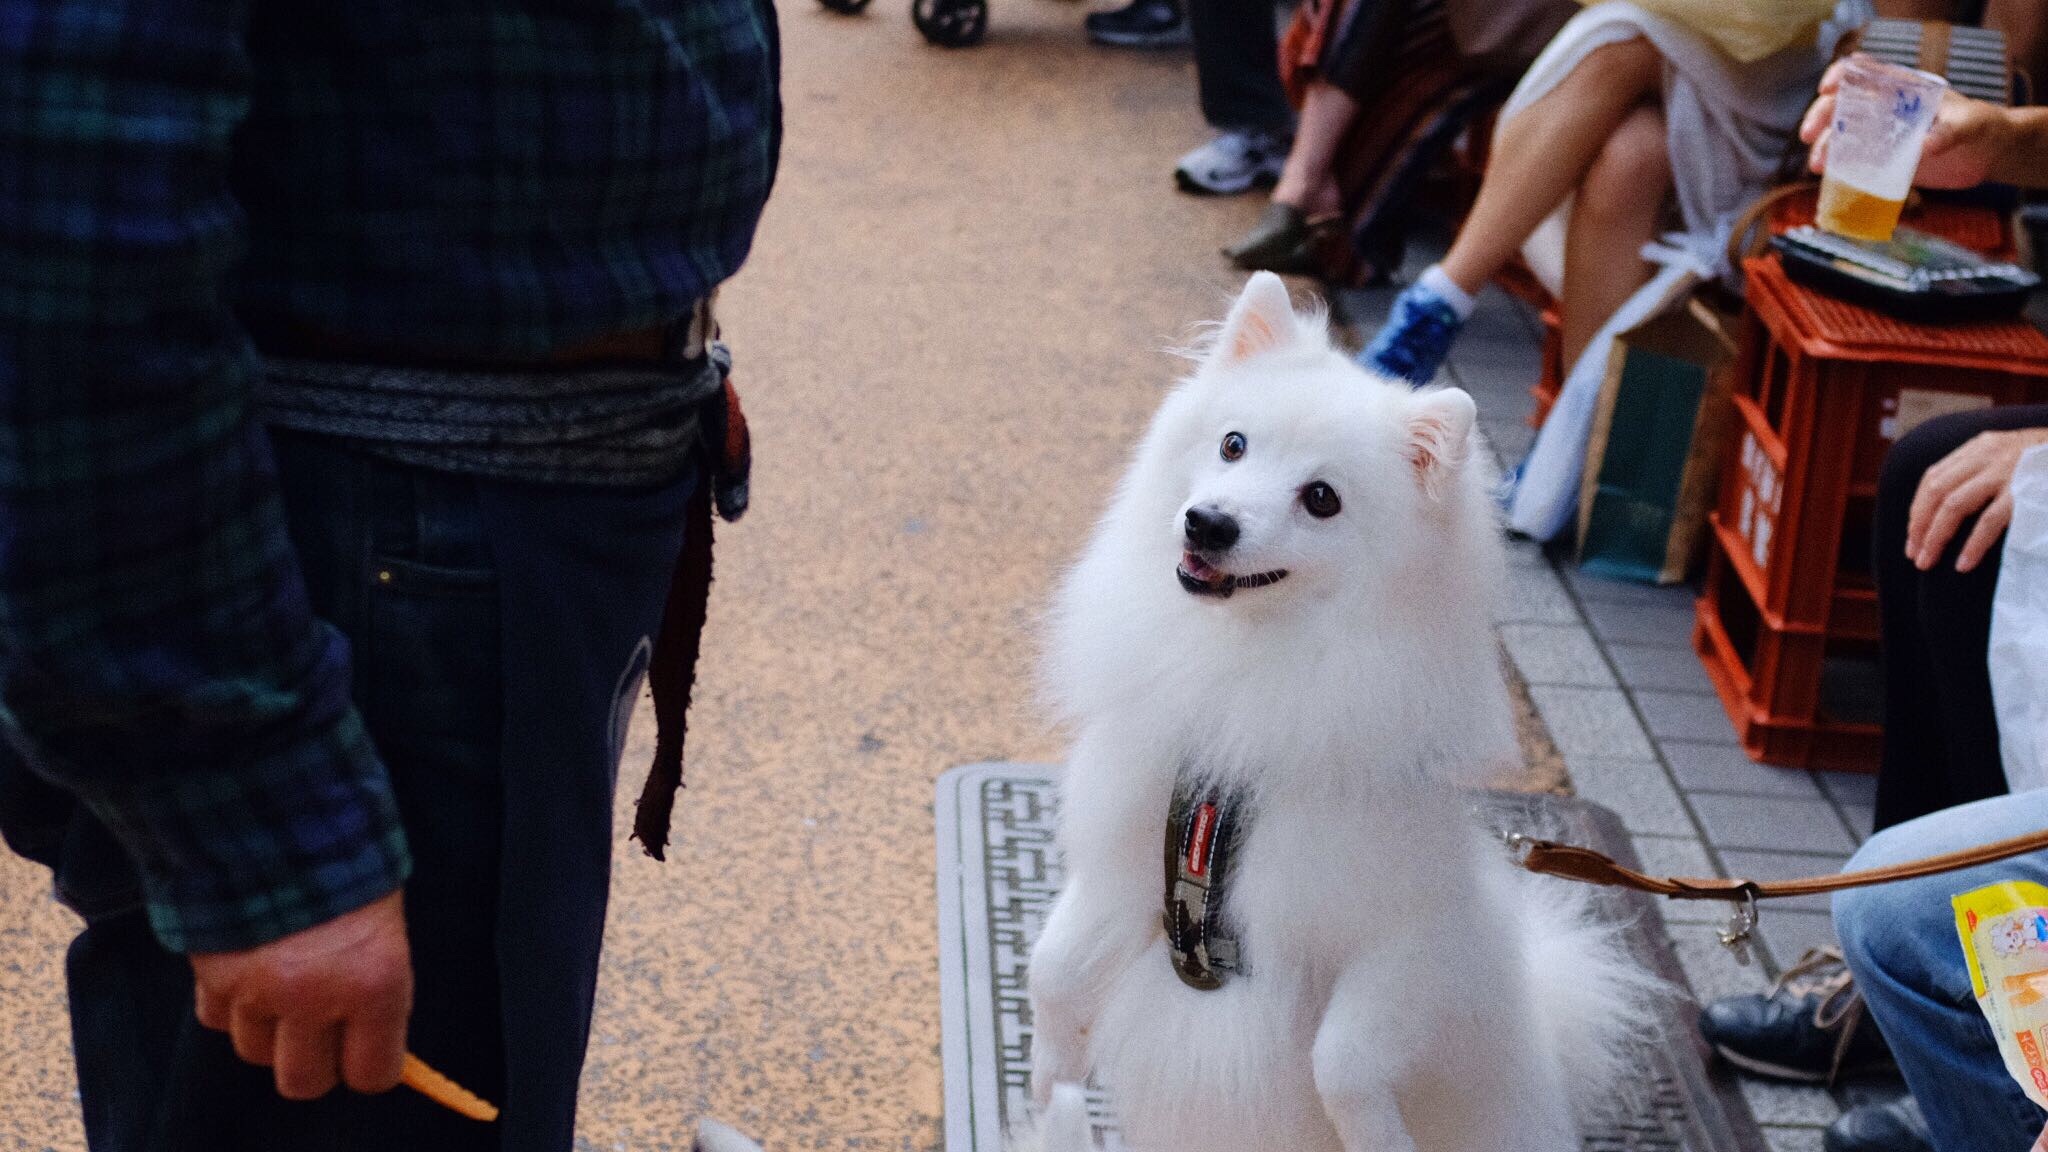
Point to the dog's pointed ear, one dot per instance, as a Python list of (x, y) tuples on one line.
[(1262, 319), (1439, 434)]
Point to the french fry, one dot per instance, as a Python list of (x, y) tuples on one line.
[(421, 1078)]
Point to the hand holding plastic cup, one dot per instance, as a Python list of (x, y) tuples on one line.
[(1882, 115)]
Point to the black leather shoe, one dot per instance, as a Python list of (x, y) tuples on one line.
[(1892, 1127), (1140, 24), (1810, 1028)]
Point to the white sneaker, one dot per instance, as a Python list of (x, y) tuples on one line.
[(715, 1137), (1233, 162)]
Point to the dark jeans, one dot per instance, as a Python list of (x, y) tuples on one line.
[(1237, 65), (500, 633), (1364, 54), (1940, 732)]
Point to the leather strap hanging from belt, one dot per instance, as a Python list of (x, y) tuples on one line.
[(672, 673), (1203, 830)]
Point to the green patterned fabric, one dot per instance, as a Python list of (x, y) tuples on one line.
[(472, 179)]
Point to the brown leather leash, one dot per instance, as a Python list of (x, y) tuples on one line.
[(1586, 866)]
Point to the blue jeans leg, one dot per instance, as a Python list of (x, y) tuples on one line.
[(1900, 940)]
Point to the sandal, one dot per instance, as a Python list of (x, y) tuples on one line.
[(1284, 240)]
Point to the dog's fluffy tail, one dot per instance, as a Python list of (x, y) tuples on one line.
[(1597, 1006), (1063, 1127)]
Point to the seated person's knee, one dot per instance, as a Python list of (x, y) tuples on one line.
[(1861, 919), (1873, 918), (1633, 171), (1635, 63), (1924, 446)]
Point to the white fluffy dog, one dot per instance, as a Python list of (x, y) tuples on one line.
[(1286, 611)]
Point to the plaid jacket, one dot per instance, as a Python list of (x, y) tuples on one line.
[(476, 177)]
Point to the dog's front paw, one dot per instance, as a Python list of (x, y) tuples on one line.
[(1061, 1124), (1056, 1062)]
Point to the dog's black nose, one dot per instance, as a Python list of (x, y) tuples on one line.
[(1209, 530)]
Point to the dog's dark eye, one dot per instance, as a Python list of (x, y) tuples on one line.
[(1233, 445), (1321, 500)]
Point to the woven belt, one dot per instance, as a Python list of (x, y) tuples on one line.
[(680, 340)]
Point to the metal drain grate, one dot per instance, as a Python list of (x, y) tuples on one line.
[(998, 873)]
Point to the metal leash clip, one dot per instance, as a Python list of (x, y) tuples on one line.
[(1741, 926), (1735, 937), (1518, 845)]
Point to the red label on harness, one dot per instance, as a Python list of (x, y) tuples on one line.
[(1201, 838)]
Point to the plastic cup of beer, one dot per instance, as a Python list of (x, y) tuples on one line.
[(1881, 120)]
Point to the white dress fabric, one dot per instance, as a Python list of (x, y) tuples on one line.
[(2019, 630), (1728, 128)]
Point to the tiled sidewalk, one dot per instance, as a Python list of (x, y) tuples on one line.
[(1613, 674)]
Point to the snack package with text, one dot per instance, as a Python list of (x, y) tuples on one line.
[(2004, 929)]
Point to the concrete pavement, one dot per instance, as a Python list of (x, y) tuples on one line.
[(949, 335)]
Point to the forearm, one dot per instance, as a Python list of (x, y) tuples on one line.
[(158, 657), (2022, 155), (163, 668)]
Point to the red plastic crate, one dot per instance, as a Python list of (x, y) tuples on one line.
[(1517, 281), (1770, 680), (1551, 382), (1822, 389)]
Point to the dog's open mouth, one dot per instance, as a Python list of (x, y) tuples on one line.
[(1205, 579)]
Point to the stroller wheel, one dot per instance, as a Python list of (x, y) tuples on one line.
[(950, 23), (845, 7)]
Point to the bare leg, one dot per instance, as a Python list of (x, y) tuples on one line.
[(1309, 180), (1545, 151), (1619, 206), (1917, 9)]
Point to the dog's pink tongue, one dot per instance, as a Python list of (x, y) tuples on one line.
[(1195, 566)]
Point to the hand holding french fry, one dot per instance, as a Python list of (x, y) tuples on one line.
[(327, 1006), (424, 1080), (324, 1006)]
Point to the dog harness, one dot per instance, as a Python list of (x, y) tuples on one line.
[(1203, 830)]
